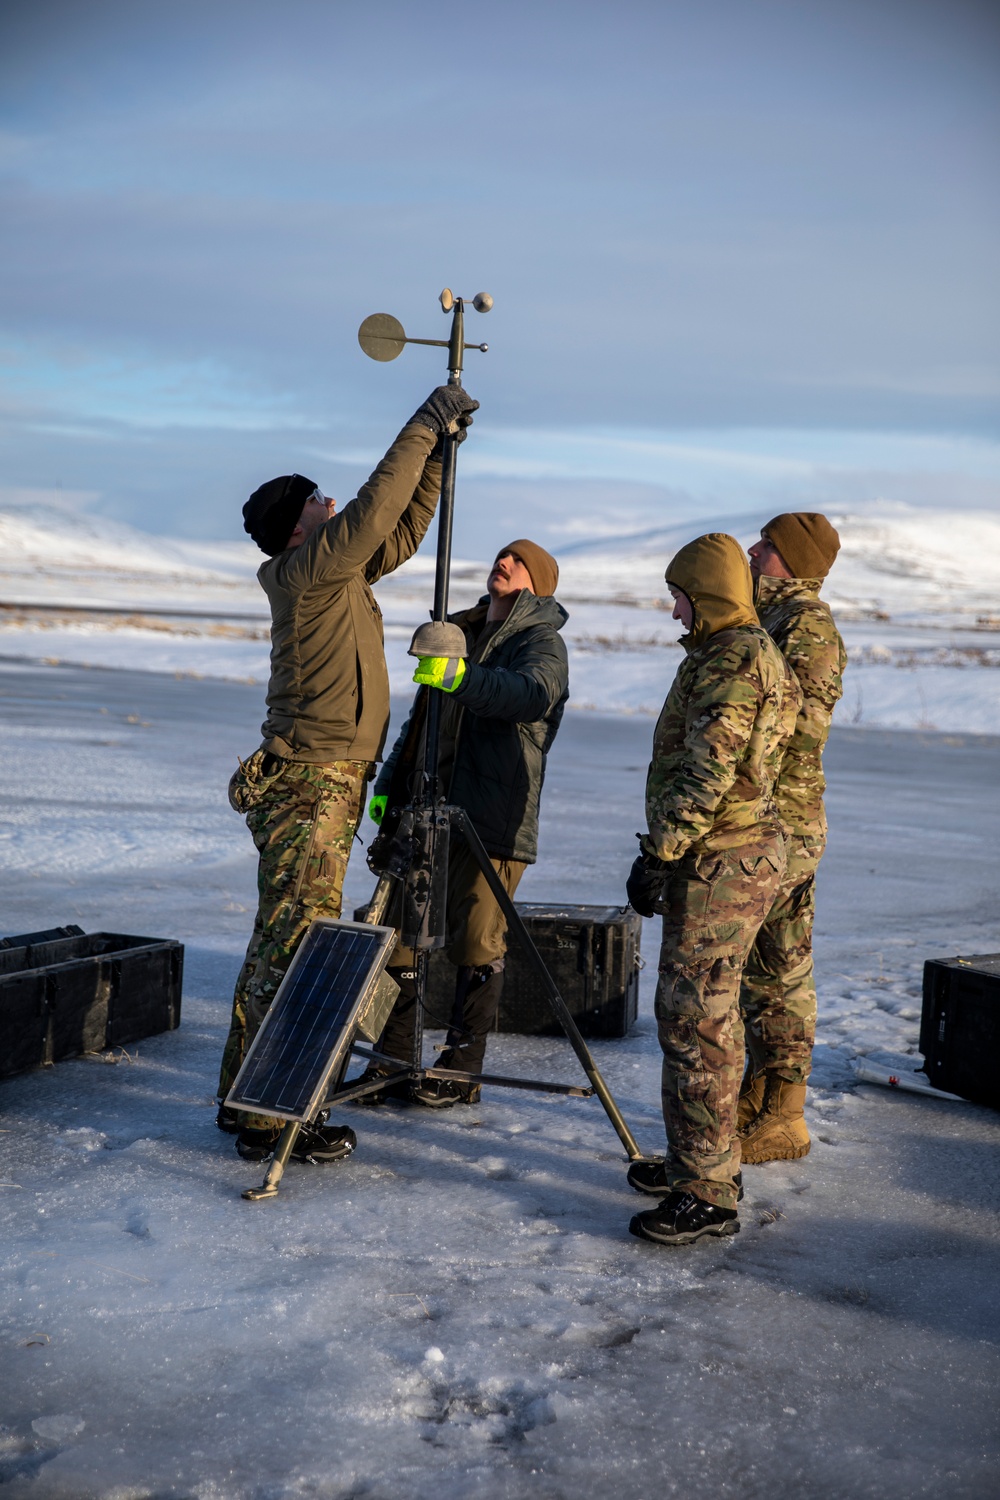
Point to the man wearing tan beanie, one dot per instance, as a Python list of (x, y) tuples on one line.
[(505, 701), (778, 992)]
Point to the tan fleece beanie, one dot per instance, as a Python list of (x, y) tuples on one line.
[(714, 573), (806, 540), (540, 564)]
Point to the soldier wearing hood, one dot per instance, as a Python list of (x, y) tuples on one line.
[(778, 994), (711, 864)]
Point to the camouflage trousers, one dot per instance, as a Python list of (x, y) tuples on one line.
[(778, 991), (713, 905), (303, 821)]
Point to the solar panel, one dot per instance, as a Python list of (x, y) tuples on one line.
[(305, 1036)]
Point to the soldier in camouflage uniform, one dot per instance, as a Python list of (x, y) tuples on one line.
[(711, 863), (327, 714), (778, 992)]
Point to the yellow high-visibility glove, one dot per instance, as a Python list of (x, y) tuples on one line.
[(377, 807), (444, 672)]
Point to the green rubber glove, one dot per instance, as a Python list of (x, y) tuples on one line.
[(377, 807), (444, 672)]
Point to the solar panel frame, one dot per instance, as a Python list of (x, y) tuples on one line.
[(309, 1028)]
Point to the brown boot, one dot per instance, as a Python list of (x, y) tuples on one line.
[(779, 1132), (751, 1099)]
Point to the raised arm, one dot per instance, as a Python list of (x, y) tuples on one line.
[(411, 528), (343, 545), (347, 542)]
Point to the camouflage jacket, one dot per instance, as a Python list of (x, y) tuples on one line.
[(718, 743), (802, 627)]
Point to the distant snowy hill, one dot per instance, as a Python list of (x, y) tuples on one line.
[(916, 594), (893, 558), (69, 557)]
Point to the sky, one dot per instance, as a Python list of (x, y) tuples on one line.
[(743, 253)]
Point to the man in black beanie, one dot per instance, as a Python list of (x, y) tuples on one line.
[(327, 713)]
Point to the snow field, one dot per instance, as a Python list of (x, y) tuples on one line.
[(459, 1310), (916, 594)]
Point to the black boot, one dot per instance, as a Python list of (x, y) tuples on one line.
[(321, 1143), (477, 996), (257, 1145), (682, 1218), (228, 1120), (443, 1093), (396, 1040), (651, 1177), (398, 1093), (315, 1143), (399, 1032)]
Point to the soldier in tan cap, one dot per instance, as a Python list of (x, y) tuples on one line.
[(505, 701), (778, 992)]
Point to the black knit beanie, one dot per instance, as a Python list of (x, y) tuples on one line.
[(272, 512)]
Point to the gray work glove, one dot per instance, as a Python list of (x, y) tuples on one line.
[(647, 882), (448, 410)]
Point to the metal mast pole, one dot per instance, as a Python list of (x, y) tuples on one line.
[(432, 791), (446, 521)]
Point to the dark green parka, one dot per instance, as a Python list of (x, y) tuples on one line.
[(497, 727)]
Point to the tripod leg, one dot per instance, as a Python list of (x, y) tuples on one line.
[(279, 1161), (461, 820), (423, 966), (380, 900)]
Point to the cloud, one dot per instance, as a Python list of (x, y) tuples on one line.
[(707, 229)]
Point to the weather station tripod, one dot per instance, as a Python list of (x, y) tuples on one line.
[(410, 858)]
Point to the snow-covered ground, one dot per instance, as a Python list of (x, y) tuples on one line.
[(916, 594), (459, 1310)]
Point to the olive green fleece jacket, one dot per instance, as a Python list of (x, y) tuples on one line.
[(328, 695)]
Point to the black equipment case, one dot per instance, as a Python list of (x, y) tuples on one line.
[(64, 992), (592, 953), (960, 1026)]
